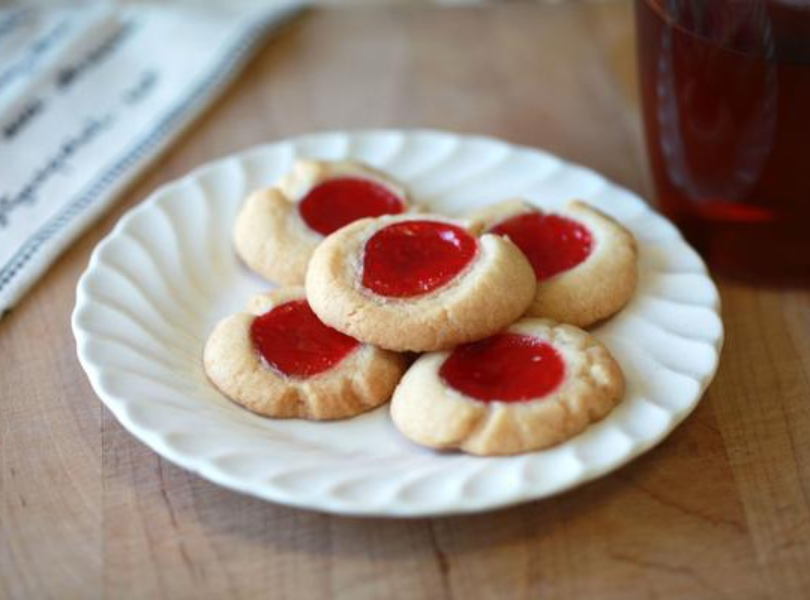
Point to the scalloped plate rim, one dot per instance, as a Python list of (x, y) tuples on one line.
[(210, 471)]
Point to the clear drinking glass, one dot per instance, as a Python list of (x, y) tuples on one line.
[(725, 87)]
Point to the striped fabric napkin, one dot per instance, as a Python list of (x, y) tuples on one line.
[(88, 97)]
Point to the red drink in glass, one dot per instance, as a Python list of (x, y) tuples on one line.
[(725, 90)]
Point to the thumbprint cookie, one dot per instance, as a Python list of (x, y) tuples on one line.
[(279, 360), (278, 227), (584, 261), (531, 386), (418, 282)]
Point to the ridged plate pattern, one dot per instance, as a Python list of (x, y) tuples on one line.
[(167, 273)]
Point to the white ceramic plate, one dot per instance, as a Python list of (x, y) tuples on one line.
[(167, 273)]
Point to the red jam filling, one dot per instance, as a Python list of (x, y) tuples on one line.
[(507, 367), (294, 342), (552, 243), (415, 257), (337, 202)]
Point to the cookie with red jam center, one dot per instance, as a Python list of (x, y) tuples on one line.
[(278, 359), (531, 386), (584, 261), (418, 283), (279, 227)]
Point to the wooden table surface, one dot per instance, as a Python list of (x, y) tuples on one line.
[(721, 509)]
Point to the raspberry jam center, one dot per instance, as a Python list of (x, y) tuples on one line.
[(552, 243), (507, 367), (294, 342), (337, 202), (415, 257)]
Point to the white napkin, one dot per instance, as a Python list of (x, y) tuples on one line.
[(88, 97)]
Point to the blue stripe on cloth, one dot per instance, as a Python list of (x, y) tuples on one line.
[(246, 40)]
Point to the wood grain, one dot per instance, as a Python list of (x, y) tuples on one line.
[(721, 509)]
